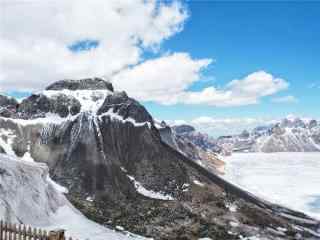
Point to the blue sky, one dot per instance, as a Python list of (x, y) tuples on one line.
[(180, 59), (280, 38)]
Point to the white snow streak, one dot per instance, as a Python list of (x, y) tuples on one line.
[(149, 193), (115, 116)]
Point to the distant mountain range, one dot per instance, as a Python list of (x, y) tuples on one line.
[(291, 134)]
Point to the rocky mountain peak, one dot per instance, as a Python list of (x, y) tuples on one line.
[(291, 134), (82, 84), (180, 129)]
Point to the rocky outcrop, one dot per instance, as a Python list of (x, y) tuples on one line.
[(119, 171), (201, 140), (38, 105), (82, 84), (125, 107), (7, 105), (183, 129), (7, 102)]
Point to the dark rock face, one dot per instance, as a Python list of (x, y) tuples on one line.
[(38, 105), (199, 139), (97, 148), (126, 107), (7, 106), (182, 129), (109, 156), (82, 84), (7, 101), (4, 112)]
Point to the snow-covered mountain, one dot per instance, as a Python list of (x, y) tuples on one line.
[(104, 147), (288, 135)]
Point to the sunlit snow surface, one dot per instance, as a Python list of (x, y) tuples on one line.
[(28, 195), (289, 179)]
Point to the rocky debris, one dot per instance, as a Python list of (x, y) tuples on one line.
[(82, 84), (115, 164)]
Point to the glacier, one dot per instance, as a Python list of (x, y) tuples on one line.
[(289, 179)]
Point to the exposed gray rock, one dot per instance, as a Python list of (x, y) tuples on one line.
[(7, 101), (37, 105), (183, 129), (82, 84), (126, 107)]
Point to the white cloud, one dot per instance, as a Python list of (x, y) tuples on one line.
[(35, 35), (163, 79), (223, 126), (285, 99), (166, 80)]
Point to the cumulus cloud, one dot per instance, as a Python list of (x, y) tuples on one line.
[(167, 81), (36, 38), (285, 99), (36, 35), (163, 79)]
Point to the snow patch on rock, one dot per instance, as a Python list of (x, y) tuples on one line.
[(116, 117), (149, 193), (90, 100)]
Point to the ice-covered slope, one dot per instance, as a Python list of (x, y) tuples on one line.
[(29, 196), (288, 135)]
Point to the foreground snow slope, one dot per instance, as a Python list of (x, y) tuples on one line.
[(29, 196), (290, 179)]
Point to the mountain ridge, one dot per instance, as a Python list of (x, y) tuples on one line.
[(291, 134), (119, 171)]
